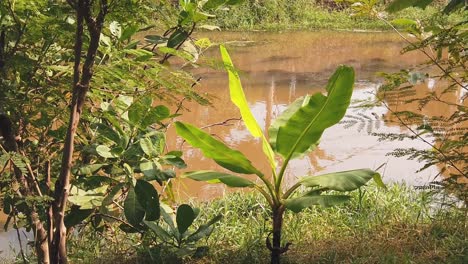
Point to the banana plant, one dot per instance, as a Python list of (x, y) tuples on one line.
[(293, 134)]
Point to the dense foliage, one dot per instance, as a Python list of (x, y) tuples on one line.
[(57, 173)]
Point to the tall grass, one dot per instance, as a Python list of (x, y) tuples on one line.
[(399, 225), (395, 226)]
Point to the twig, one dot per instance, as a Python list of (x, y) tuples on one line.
[(117, 219), (223, 123)]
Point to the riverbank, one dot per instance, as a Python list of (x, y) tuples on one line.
[(400, 225), (309, 15)]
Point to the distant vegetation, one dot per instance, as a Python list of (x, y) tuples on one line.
[(310, 15)]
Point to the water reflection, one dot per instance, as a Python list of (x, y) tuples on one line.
[(285, 66)]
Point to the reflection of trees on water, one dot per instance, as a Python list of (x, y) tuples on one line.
[(429, 104), (275, 70)]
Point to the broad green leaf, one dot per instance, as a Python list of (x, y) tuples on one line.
[(148, 198), (128, 32), (175, 161), (226, 157), (204, 230), (152, 172), (282, 119), (184, 217), (105, 152), (87, 199), (109, 133), (138, 110), (133, 211), (341, 181), (238, 98), (88, 170), (303, 129), (155, 39), (219, 177), (398, 5), (177, 38), (147, 146), (76, 216), (297, 204), (154, 115)]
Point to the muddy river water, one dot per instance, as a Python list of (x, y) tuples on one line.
[(277, 68)]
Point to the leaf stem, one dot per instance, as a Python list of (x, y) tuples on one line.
[(291, 190), (265, 194)]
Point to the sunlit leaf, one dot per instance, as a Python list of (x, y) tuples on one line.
[(301, 127), (238, 98), (228, 158), (341, 181)]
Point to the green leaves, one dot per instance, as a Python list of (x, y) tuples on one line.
[(219, 177), (342, 181), (184, 217), (303, 123), (133, 211), (226, 157), (177, 38), (148, 198), (142, 202), (238, 98), (338, 181), (142, 114)]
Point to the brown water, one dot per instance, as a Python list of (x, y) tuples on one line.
[(277, 68)]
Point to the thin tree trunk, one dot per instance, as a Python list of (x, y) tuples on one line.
[(80, 88), (276, 250)]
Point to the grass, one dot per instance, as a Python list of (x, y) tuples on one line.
[(395, 226)]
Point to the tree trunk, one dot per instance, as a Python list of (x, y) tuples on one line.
[(276, 250), (81, 84)]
